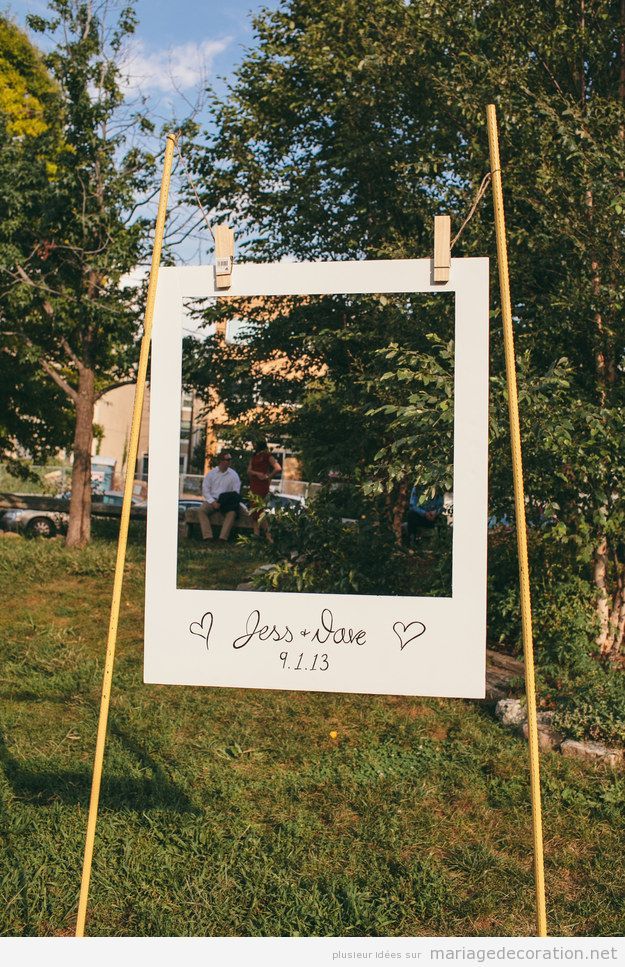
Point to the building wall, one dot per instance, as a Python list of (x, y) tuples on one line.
[(113, 412)]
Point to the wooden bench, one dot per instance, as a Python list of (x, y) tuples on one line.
[(192, 527)]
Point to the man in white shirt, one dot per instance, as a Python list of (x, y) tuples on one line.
[(222, 479)]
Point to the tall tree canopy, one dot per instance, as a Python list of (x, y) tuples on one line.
[(348, 126), (66, 308), (29, 98), (33, 414)]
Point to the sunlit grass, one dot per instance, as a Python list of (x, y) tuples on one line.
[(231, 812)]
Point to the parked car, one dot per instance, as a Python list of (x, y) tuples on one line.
[(115, 498), (35, 523), (285, 502)]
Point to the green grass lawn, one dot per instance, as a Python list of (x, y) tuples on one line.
[(231, 812), (211, 565)]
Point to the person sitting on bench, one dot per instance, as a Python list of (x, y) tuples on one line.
[(221, 489)]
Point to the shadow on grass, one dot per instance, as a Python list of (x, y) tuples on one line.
[(13, 861), (40, 698), (40, 786)]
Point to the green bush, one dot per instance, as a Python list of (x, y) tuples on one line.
[(563, 616), (588, 697), (325, 551), (594, 707)]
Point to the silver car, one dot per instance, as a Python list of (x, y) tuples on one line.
[(34, 523)]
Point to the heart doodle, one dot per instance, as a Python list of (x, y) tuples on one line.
[(401, 630), (203, 628)]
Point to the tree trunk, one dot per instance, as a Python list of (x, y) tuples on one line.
[(399, 510), (610, 606), (617, 622), (611, 643), (79, 530), (603, 598), (609, 580)]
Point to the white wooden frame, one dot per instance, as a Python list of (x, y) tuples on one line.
[(372, 644)]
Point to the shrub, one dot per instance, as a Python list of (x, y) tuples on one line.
[(594, 708), (323, 550), (588, 696), (563, 615)]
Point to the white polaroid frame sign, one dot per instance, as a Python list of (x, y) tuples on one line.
[(334, 642)]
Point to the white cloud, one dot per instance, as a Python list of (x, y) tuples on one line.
[(176, 69)]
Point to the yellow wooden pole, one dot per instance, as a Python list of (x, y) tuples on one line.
[(521, 529), (123, 536)]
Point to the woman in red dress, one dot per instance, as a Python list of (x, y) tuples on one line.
[(260, 470)]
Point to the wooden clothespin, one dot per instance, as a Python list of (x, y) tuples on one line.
[(442, 248), (224, 256)]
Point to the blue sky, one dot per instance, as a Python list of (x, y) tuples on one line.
[(180, 47)]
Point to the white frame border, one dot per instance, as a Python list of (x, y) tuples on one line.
[(448, 659)]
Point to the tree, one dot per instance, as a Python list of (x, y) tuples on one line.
[(346, 129), (328, 397), (34, 416), (74, 317)]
